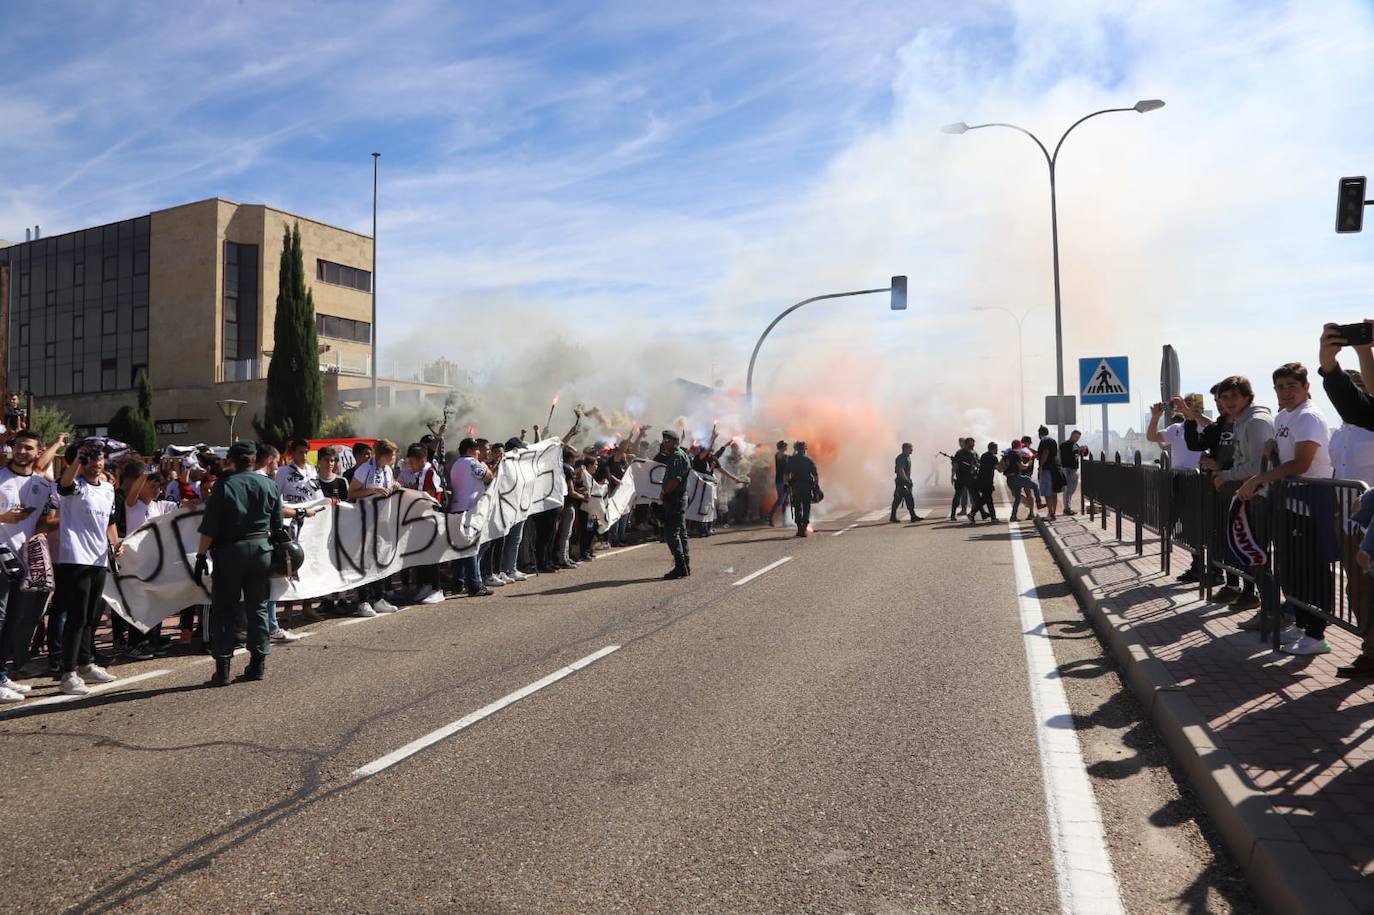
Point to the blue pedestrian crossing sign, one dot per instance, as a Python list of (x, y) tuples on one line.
[(1104, 379)]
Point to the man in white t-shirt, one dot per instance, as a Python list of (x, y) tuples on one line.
[(1170, 438), (297, 480), (1300, 444), (470, 478), (86, 537), (375, 477), (24, 496)]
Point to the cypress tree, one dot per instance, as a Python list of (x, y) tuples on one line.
[(294, 393), (134, 425)]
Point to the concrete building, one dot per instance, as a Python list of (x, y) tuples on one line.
[(187, 294)]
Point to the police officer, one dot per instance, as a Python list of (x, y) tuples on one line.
[(677, 467), (803, 479), (243, 510)]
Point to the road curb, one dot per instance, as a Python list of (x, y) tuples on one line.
[(1285, 875)]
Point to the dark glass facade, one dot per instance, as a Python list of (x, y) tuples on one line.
[(240, 302), (79, 310)]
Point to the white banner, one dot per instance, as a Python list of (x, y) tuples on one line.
[(348, 545), (643, 484)]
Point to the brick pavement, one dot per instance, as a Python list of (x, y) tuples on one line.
[(1304, 737)]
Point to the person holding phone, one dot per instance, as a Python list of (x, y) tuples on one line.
[(86, 539)]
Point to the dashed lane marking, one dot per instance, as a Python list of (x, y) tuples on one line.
[(1082, 864), (467, 721), (768, 568)]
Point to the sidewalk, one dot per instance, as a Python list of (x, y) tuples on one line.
[(1278, 748)]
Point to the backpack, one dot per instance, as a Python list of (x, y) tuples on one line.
[(1011, 462)]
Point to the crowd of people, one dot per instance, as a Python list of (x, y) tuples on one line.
[(66, 508), (1037, 477)]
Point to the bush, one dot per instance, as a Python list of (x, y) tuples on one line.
[(48, 423), (341, 426)]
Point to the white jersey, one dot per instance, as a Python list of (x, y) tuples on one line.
[(1304, 424), (297, 484), (83, 535), (28, 491), (370, 475)]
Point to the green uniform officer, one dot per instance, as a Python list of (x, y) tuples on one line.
[(803, 478), (677, 468), (242, 510)]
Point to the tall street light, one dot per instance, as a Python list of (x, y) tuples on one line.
[(1052, 159), (230, 409), (898, 303), (375, 157), (1020, 350)]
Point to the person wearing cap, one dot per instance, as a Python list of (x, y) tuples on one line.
[(802, 480), (243, 510), (676, 468)]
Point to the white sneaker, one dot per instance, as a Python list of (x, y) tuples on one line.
[(1306, 645), (1290, 634), (501, 577), (491, 581), (428, 595), (16, 686), (9, 695), (383, 605), (517, 575), (96, 673), (285, 635), (72, 685), (364, 609)]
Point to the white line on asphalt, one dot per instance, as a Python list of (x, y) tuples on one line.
[(96, 690), (625, 549), (433, 737), (768, 568), (1083, 866), (844, 529)]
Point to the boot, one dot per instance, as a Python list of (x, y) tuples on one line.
[(1362, 668), (892, 519), (256, 669), (677, 572), (221, 675), (687, 567)]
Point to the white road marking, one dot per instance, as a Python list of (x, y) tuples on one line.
[(625, 549), (768, 568), (363, 619), (1082, 864), (844, 530), (433, 737), (96, 689)]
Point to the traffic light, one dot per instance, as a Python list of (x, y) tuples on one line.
[(1350, 205), (899, 289)]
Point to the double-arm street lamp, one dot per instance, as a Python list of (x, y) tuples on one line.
[(1020, 351), (1052, 159), (898, 302)]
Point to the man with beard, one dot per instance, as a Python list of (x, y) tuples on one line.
[(24, 496)]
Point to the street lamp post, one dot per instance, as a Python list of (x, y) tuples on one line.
[(230, 409), (1052, 159), (1020, 351), (375, 157), (898, 290)]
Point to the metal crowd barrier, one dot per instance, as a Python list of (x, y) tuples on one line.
[(1305, 526)]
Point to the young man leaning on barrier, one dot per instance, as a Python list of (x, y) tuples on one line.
[(1300, 444), (1252, 428)]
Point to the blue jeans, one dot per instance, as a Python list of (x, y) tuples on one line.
[(469, 573), (783, 500), (1017, 485), (510, 550), (19, 614), (620, 530)]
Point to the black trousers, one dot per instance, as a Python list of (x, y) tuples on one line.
[(982, 501), (545, 535), (902, 494), (801, 509), (78, 588), (675, 533)]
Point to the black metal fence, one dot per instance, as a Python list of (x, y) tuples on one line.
[(1306, 530)]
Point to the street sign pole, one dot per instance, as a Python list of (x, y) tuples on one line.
[(1104, 380), (1104, 429)]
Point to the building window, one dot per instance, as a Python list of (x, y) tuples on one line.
[(240, 301), (343, 328), (172, 427), (341, 275), (78, 311)]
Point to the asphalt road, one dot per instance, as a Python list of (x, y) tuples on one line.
[(849, 731)]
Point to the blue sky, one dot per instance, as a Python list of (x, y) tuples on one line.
[(625, 172)]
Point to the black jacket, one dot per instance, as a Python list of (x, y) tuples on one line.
[(1217, 440), (1352, 405)]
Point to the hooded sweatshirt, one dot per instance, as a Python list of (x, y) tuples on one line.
[(1252, 430)]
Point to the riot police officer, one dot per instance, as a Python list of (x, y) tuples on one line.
[(677, 468), (803, 478), (242, 512)]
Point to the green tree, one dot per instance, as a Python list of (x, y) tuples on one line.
[(341, 426), (294, 394), (48, 423), (135, 425)]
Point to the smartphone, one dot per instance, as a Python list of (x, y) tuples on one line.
[(1358, 334)]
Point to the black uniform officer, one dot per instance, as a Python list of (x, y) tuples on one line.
[(677, 467), (242, 511), (803, 477)]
